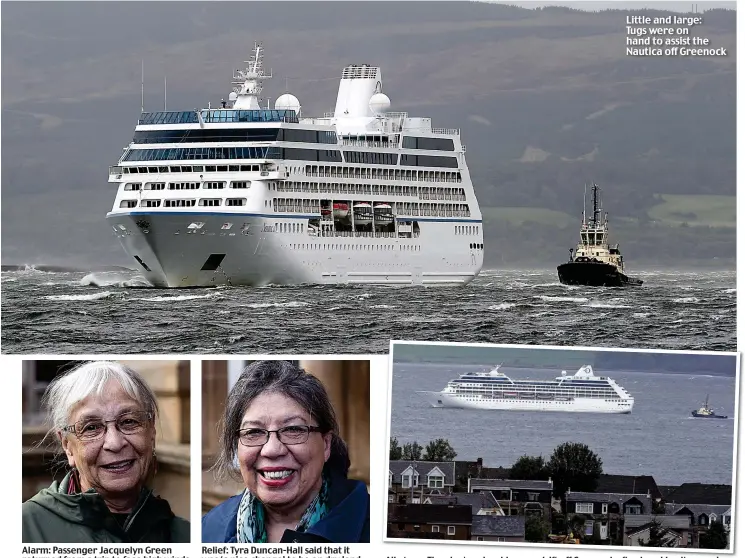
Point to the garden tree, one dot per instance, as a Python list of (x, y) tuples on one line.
[(439, 450), (658, 507), (536, 529), (657, 536), (714, 537), (575, 466), (529, 468), (412, 451), (396, 452)]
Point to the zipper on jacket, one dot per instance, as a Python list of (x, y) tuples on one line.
[(132, 517)]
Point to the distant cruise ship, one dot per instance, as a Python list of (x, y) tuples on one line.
[(582, 392), (245, 195)]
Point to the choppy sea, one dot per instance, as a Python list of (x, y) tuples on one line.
[(659, 438), (116, 313)]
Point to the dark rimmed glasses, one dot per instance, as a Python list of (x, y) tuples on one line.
[(90, 429), (289, 435)]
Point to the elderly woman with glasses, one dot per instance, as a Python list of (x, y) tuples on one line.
[(103, 416), (279, 435)]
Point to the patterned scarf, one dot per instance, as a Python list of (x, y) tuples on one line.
[(251, 527)]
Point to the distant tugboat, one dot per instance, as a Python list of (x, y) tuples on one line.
[(706, 412), (594, 263)]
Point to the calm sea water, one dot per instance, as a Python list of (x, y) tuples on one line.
[(83, 313), (659, 438)]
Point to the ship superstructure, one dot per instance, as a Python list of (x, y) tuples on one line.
[(244, 195), (581, 392)]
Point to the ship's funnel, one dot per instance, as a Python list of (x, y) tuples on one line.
[(357, 86)]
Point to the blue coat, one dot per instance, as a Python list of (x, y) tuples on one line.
[(348, 521)]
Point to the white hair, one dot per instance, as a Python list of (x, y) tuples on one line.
[(70, 388)]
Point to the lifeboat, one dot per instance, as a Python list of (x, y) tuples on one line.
[(362, 210), (341, 210), (383, 212)]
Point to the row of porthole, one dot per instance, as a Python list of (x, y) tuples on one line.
[(475, 246), (366, 247)]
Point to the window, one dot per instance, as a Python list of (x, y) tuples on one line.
[(155, 186), (451, 529), (633, 509), (128, 203), (240, 184), (214, 185), (435, 528), (179, 203), (532, 496), (183, 186), (435, 481), (210, 202), (235, 201), (433, 144), (583, 507), (150, 203), (390, 479), (133, 186), (406, 481), (500, 539), (604, 508)]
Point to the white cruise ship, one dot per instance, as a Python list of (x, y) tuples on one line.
[(244, 195), (582, 392)]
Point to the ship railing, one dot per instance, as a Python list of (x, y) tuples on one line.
[(448, 131)]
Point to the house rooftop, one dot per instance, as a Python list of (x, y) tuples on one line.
[(498, 526), (477, 500), (698, 493), (429, 514), (397, 467), (506, 484), (629, 484)]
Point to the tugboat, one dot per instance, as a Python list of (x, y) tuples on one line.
[(594, 262), (706, 412)]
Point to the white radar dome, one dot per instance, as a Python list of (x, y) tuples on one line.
[(233, 96), (287, 102), (379, 103)]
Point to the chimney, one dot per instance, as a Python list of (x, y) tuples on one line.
[(479, 464)]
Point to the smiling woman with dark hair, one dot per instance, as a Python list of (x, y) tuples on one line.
[(280, 436), (103, 416)]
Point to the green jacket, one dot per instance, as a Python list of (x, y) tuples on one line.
[(54, 516)]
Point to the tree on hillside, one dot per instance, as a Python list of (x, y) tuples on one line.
[(575, 466), (439, 450), (529, 468), (714, 537), (412, 451), (396, 452)]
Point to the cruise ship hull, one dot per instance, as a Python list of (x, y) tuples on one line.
[(186, 249), (575, 405)]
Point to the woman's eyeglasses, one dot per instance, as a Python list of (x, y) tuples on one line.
[(91, 429), (289, 435)]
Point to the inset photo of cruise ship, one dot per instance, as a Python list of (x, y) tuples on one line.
[(212, 170), (549, 445)]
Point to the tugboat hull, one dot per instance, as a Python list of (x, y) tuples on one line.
[(696, 414), (594, 274)]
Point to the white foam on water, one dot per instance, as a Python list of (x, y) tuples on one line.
[(502, 306), (291, 304), (94, 296), (606, 305), (381, 306), (113, 278), (176, 298), (686, 300), (548, 298)]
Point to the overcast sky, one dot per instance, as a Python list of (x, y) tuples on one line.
[(641, 4)]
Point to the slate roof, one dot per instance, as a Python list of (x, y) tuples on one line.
[(429, 514), (423, 468), (697, 509), (666, 489), (620, 499), (628, 484), (475, 469), (504, 484), (666, 521), (498, 526), (698, 493), (477, 500)]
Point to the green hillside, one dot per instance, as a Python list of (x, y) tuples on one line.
[(712, 211)]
